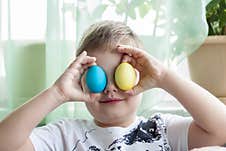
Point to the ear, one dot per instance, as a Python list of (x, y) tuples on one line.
[(137, 77)]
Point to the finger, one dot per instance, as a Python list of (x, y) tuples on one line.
[(137, 77), (88, 65), (72, 64), (72, 72), (83, 95), (81, 56), (130, 50), (81, 71), (129, 59), (135, 91), (77, 62), (83, 84), (88, 60), (76, 71), (126, 58), (85, 60)]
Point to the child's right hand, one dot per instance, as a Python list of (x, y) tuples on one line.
[(151, 71), (68, 86)]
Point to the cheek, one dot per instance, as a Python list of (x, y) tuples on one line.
[(93, 109), (135, 100), (89, 106)]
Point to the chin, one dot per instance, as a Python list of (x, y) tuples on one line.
[(114, 119), (110, 117)]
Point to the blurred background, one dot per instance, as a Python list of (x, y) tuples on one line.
[(38, 38)]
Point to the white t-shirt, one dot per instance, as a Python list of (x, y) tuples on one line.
[(161, 132)]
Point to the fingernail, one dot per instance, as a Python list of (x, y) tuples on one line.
[(129, 92)]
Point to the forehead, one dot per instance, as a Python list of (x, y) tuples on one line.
[(106, 57)]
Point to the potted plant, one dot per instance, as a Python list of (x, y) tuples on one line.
[(207, 65)]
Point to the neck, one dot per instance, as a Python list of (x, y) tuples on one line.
[(119, 123)]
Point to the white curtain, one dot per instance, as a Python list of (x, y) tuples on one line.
[(39, 38)]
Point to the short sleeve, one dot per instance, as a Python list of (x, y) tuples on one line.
[(49, 137), (177, 131)]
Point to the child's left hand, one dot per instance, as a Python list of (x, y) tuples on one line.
[(151, 70)]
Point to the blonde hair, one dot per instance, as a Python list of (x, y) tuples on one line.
[(107, 34)]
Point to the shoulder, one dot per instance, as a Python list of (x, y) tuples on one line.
[(153, 130), (171, 123), (175, 129), (168, 119), (155, 123), (65, 126), (72, 123), (153, 126), (58, 135)]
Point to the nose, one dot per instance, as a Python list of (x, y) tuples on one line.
[(110, 90)]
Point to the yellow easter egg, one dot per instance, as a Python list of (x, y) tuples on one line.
[(125, 76)]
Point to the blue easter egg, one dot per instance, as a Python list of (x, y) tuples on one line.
[(96, 79)]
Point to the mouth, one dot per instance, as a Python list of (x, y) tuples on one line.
[(112, 100)]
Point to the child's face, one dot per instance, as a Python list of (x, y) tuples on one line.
[(113, 111)]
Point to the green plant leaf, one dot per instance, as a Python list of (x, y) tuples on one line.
[(136, 3), (112, 1), (144, 9), (216, 17), (121, 7), (99, 10), (212, 5), (132, 13)]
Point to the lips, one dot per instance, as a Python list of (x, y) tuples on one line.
[(113, 100)]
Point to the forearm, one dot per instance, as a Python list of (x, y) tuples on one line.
[(16, 128), (207, 111)]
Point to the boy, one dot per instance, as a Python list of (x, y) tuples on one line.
[(115, 125)]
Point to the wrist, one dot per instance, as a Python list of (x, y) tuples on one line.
[(163, 82), (57, 94)]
